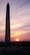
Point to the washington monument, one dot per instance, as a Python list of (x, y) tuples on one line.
[(7, 31)]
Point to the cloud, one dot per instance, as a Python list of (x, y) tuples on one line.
[(19, 14)]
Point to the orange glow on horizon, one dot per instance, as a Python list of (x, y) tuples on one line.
[(17, 39)]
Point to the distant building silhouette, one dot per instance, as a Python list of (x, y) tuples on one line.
[(7, 31)]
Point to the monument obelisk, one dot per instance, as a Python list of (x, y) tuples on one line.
[(7, 31)]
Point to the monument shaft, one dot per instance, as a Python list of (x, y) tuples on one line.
[(7, 37)]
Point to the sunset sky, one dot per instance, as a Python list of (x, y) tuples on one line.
[(19, 19)]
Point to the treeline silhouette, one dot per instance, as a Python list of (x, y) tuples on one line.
[(24, 44)]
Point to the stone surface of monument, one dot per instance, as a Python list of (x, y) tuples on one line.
[(7, 30)]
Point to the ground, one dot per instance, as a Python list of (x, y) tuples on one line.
[(14, 50)]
